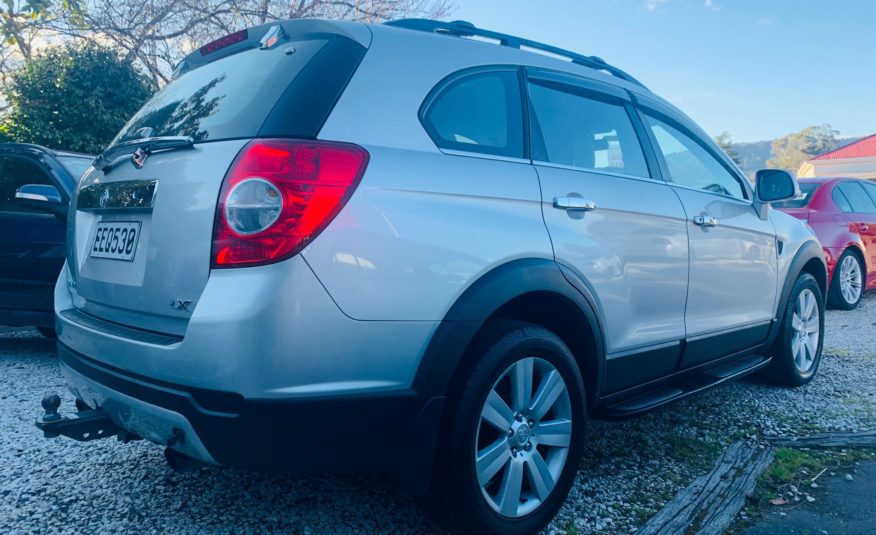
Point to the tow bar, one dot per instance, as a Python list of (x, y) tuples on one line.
[(86, 425)]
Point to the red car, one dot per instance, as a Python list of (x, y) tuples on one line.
[(842, 211)]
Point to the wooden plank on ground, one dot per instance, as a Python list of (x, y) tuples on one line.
[(709, 505), (866, 439)]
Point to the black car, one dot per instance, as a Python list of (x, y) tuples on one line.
[(35, 188)]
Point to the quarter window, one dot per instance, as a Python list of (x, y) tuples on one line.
[(479, 113), (858, 198), (870, 188), (691, 165), (14, 173), (570, 128), (840, 200)]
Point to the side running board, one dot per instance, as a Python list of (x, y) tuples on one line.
[(684, 388)]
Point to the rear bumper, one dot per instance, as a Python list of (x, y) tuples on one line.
[(392, 433)]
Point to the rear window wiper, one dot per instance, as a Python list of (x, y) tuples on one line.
[(108, 158)]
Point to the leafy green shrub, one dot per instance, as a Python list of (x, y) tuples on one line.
[(74, 97)]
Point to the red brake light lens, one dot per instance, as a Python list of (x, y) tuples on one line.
[(314, 178), (223, 42)]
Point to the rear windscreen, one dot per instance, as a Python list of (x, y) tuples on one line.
[(228, 98), (806, 192)]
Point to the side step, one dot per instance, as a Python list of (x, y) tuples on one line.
[(683, 388)]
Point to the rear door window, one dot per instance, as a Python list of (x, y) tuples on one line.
[(861, 202), (570, 128), (480, 113)]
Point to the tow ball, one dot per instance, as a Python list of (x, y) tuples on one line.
[(88, 424)]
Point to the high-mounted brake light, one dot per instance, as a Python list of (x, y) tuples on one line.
[(278, 195), (223, 42)]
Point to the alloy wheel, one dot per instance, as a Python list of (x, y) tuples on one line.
[(806, 324), (850, 279), (523, 437)]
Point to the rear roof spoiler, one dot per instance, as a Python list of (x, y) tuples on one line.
[(293, 29)]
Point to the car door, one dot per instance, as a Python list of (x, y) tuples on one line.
[(31, 241), (862, 219), (733, 265), (611, 221)]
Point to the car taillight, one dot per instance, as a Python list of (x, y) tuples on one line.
[(278, 195)]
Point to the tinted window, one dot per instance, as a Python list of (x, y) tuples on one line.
[(806, 193), (14, 173), (479, 113), (572, 129), (870, 188), (858, 198), (227, 98), (690, 164), (840, 200)]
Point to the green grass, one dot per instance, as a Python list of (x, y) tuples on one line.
[(797, 467), (694, 452)]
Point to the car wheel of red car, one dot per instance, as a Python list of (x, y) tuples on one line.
[(847, 286)]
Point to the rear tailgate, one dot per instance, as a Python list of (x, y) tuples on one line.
[(170, 252), (140, 237)]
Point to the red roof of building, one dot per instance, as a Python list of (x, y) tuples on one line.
[(863, 148)]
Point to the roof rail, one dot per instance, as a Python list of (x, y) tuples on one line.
[(461, 28)]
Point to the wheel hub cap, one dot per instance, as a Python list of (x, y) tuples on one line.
[(806, 327), (523, 437), (523, 434)]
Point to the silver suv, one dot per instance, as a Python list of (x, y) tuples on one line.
[(420, 249)]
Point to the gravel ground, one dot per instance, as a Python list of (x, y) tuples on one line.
[(629, 471)]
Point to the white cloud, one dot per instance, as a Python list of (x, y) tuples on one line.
[(651, 5), (710, 4), (763, 21)]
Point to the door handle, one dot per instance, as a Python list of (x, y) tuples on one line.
[(574, 203), (704, 220)]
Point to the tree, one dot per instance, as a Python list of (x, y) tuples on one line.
[(791, 151), (74, 97), (157, 34), (22, 23), (725, 141)]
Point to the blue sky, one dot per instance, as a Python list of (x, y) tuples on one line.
[(758, 69)]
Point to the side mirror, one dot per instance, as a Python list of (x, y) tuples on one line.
[(773, 185), (41, 197)]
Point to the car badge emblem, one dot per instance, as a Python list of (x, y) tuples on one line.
[(139, 158), (181, 304), (104, 198)]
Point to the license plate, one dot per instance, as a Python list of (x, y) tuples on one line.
[(116, 240)]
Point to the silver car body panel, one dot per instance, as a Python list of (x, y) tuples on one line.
[(732, 265), (632, 249), (263, 332)]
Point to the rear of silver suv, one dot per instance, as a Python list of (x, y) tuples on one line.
[(275, 266)]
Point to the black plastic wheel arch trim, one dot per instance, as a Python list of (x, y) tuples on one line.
[(446, 349)]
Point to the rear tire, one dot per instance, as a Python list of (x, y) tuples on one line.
[(797, 349), (847, 286), (511, 437)]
